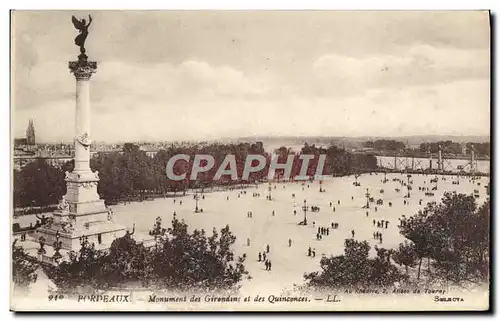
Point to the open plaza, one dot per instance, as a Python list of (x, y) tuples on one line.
[(275, 222)]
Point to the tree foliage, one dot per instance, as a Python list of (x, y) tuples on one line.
[(385, 144), (454, 235), (355, 269), (406, 255), (23, 267), (180, 260), (38, 184)]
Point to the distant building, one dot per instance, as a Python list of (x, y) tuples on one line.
[(20, 142), (22, 157), (28, 142)]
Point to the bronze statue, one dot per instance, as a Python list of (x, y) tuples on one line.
[(83, 27)]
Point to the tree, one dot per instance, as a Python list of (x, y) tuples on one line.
[(454, 235), (84, 269), (418, 230), (127, 261), (406, 255), (195, 261), (23, 267), (38, 184)]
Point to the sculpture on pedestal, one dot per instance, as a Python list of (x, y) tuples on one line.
[(63, 205), (84, 140), (67, 225)]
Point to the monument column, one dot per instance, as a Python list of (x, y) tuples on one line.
[(81, 214)]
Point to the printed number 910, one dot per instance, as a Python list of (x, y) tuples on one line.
[(56, 297)]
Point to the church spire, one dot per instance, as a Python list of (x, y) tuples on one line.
[(30, 133)]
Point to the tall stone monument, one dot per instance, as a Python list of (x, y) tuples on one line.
[(81, 213)]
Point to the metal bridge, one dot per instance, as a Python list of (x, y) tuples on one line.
[(435, 163)]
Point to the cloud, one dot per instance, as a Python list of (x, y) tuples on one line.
[(458, 108), (195, 75)]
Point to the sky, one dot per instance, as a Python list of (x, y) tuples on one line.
[(202, 75)]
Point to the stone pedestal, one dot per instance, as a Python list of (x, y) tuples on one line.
[(81, 213)]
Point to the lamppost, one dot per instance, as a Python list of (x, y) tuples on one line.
[(367, 194), (41, 241), (321, 186), (57, 246), (305, 209), (408, 184)]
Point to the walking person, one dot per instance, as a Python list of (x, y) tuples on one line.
[(289, 242)]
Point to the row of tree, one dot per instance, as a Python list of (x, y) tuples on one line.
[(385, 144), (450, 147), (132, 174)]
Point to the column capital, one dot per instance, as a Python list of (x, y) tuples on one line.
[(82, 69)]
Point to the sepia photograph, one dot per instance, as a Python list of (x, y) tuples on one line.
[(272, 160)]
